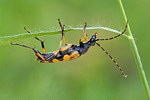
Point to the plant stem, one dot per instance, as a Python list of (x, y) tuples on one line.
[(136, 53), (19, 37)]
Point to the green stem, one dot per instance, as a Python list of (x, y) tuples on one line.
[(136, 53), (19, 37)]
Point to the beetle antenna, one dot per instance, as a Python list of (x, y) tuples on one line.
[(112, 60), (116, 35)]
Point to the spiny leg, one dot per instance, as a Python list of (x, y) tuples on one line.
[(117, 35), (112, 60), (62, 28), (42, 42), (85, 35), (38, 54), (21, 45), (62, 37)]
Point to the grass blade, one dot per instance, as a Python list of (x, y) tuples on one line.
[(19, 37), (136, 54)]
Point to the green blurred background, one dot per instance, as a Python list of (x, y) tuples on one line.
[(93, 76)]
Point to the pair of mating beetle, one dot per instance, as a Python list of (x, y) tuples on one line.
[(71, 51)]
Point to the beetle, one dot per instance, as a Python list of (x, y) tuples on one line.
[(71, 51)]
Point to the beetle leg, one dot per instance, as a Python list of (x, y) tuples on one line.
[(62, 28), (42, 42), (85, 35), (37, 53)]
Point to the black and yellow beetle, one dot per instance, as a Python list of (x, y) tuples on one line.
[(70, 51)]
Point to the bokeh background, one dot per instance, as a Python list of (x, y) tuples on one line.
[(91, 77)]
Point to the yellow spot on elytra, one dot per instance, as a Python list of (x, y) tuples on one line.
[(66, 58), (55, 60), (47, 62), (74, 55)]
